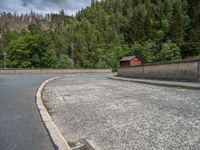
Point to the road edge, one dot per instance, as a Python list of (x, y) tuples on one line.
[(55, 134), (157, 82)]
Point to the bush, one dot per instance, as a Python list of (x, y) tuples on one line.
[(146, 51), (31, 51), (64, 62), (170, 51)]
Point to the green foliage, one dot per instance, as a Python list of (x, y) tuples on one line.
[(170, 51), (98, 36), (147, 52), (1, 53), (18, 53), (31, 51), (64, 62), (198, 57), (114, 56), (34, 28)]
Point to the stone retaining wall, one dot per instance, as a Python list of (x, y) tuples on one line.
[(51, 71), (185, 70)]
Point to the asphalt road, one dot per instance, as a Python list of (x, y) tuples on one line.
[(21, 127), (120, 115)]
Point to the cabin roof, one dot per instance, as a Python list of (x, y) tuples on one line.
[(128, 58)]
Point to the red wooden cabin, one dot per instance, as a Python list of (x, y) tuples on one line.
[(130, 61)]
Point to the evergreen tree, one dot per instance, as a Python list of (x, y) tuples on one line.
[(104, 32)]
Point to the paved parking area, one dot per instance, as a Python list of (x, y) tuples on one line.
[(119, 115)]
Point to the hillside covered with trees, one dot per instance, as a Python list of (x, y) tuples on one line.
[(99, 35)]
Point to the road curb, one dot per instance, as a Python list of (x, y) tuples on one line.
[(186, 85), (53, 130)]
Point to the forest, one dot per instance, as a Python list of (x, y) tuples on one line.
[(99, 35)]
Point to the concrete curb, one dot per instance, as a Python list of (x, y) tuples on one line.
[(54, 132), (186, 85)]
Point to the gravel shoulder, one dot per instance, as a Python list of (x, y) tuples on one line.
[(116, 115)]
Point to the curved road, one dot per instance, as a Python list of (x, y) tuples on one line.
[(21, 127)]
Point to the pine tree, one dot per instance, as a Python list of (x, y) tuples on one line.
[(177, 24)]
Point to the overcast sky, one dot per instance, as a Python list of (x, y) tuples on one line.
[(43, 6)]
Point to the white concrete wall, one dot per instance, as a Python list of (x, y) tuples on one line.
[(186, 70)]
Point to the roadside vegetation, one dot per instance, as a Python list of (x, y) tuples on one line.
[(99, 35)]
